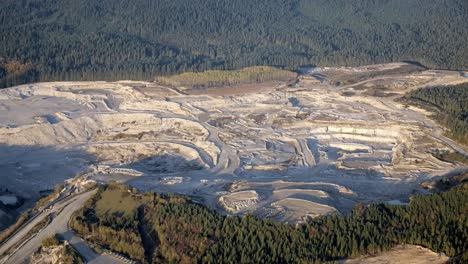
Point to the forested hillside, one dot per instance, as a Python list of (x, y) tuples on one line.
[(157, 228), (43, 40), (451, 105)]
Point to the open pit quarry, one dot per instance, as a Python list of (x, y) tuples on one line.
[(286, 151)]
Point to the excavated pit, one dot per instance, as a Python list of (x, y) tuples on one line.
[(287, 152)]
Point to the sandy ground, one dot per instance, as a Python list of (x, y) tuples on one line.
[(335, 138), (300, 208), (402, 255)]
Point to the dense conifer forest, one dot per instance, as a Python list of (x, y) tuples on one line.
[(451, 107), (45, 40), (158, 228)]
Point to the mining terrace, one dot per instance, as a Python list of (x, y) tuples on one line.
[(286, 151)]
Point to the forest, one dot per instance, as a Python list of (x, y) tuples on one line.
[(451, 107), (50, 40), (168, 228)]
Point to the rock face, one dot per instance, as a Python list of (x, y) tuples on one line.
[(58, 254), (49, 255), (313, 135)]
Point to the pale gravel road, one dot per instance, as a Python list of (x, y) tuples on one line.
[(59, 225), (23, 232)]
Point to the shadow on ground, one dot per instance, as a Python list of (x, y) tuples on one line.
[(26, 171)]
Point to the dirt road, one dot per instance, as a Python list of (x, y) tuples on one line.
[(59, 225)]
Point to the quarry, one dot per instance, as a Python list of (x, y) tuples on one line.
[(289, 151)]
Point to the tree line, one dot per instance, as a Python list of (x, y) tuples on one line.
[(451, 105), (169, 228)]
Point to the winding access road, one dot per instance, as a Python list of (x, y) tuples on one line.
[(59, 225)]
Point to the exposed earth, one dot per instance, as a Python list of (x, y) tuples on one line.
[(283, 151), (401, 255)]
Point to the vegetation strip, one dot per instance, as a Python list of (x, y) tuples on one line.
[(177, 230), (225, 78)]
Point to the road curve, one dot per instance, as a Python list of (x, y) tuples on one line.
[(59, 225)]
